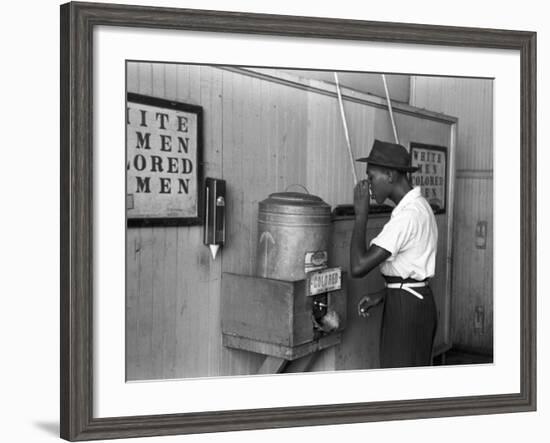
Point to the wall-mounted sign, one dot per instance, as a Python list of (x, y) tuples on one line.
[(163, 162), (431, 176)]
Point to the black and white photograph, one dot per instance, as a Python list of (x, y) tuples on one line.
[(232, 221), (285, 221)]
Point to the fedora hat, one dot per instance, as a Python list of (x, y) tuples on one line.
[(389, 155)]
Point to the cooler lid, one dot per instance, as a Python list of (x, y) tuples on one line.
[(295, 200)]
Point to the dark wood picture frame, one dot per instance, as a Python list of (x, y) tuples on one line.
[(198, 111), (76, 211)]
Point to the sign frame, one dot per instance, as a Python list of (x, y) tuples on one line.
[(134, 222), (438, 149)]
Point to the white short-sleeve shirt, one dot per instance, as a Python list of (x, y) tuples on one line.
[(411, 237)]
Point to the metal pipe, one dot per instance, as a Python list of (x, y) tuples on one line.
[(390, 109), (346, 132)]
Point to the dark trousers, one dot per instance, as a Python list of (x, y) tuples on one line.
[(408, 328)]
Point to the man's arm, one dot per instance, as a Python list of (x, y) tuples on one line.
[(363, 260)]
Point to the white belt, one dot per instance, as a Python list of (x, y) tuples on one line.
[(407, 287)]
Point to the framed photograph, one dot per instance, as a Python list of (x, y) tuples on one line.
[(208, 167)]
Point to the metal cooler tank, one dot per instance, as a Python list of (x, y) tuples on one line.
[(272, 312), (293, 235)]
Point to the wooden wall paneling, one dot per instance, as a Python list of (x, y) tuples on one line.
[(286, 138), (255, 164), (236, 164), (335, 132), (323, 140), (265, 142), (243, 151), (299, 101), (182, 82), (261, 137), (132, 77), (328, 169), (159, 83), (301, 129), (284, 150), (144, 365), (326, 173), (211, 98), (230, 163), (383, 129), (181, 287), (315, 147), (472, 283), (233, 173), (131, 267), (415, 129), (469, 99), (196, 263), (155, 86), (342, 176), (340, 171), (272, 146), (183, 327), (362, 137), (163, 258), (145, 78), (171, 81), (252, 186), (187, 332), (282, 138), (158, 313), (472, 102), (132, 300), (170, 339), (199, 271), (323, 179), (439, 285), (145, 305), (289, 159)]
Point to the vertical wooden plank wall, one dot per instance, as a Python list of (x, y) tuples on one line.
[(472, 102), (261, 137), (329, 170), (169, 322), (254, 138)]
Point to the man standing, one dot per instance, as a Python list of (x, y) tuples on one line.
[(405, 249)]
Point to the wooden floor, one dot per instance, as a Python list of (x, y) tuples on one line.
[(462, 357)]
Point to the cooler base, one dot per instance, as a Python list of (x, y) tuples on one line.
[(280, 351)]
